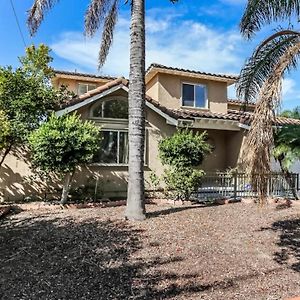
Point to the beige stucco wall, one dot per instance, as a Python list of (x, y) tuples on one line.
[(166, 89), (112, 180)]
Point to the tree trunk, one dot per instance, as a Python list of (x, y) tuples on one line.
[(66, 188), (289, 180), (135, 209), (7, 150)]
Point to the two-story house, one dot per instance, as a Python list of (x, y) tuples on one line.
[(175, 98)]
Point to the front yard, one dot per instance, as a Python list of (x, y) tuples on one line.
[(234, 251)]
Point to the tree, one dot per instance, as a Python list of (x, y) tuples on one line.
[(61, 144), (182, 152), (287, 147), (105, 12), (261, 80), (26, 97)]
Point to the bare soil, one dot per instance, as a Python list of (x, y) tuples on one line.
[(236, 251)]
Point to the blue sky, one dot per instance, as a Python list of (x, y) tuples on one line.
[(201, 35)]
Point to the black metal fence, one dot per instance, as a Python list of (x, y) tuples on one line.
[(237, 185)]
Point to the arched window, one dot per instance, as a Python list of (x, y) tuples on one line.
[(115, 108)]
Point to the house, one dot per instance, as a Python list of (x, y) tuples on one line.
[(176, 98)]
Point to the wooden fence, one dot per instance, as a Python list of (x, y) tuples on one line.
[(237, 185)]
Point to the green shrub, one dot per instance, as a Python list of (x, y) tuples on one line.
[(184, 149), (181, 152), (181, 183)]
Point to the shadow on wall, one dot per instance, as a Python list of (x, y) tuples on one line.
[(16, 187)]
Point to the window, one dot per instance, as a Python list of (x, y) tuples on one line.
[(111, 108), (194, 95), (85, 87), (113, 148)]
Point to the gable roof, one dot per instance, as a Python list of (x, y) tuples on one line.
[(158, 68)]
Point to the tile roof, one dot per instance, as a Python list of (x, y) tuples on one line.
[(159, 66), (231, 115), (238, 101), (84, 75), (94, 92), (188, 114)]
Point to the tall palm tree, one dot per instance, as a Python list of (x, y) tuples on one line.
[(261, 80), (105, 12)]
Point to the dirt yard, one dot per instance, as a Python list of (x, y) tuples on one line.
[(235, 251)]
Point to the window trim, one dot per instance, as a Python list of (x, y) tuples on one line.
[(195, 84), (121, 98), (86, 84), (99, 164)]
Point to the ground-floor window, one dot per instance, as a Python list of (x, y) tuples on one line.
[(114, 147)]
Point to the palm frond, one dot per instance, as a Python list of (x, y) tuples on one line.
[(37, 12), (262, 62), (94, 15), (108, 33), (262, 12), (260, 141)]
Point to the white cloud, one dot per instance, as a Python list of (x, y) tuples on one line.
[(170, 40)]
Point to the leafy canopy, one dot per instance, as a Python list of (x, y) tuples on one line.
[(25, 95), (62, 143), (184, 149), (287, 141)]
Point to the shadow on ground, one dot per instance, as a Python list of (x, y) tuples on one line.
[(172, 210), (57, 258), (289, 243)]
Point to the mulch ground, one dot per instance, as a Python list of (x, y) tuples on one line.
[(236, 251)]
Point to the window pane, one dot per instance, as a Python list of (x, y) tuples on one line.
[(108, 149), (123, 150), (200, 96), (91, 87), (187, 95), (117, 109), (82, 89)]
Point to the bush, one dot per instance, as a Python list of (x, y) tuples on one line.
[(181, 152), (181, 183), (184, 149), (61, 144)]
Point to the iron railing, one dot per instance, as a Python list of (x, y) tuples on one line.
[(237, 185)]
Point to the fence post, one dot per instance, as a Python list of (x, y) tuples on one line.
[(234, 185)]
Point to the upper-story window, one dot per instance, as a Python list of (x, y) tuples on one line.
[(85, 87), (114, 108), (194, 95)]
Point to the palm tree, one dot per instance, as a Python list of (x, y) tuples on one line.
[(261, 80), (287, 147), (105, 12)]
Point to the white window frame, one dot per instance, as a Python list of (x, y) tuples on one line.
[(87, 87), (195, 84), (118, 150), (117, 120)]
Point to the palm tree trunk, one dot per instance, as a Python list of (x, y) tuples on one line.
[(289, 180), (135, 209)]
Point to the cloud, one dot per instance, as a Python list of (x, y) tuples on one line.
[(171, 40), (290, 91)]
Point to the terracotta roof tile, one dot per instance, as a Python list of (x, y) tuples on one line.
[(94, 92), (228, 76), (189, 114), (84, 75)]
